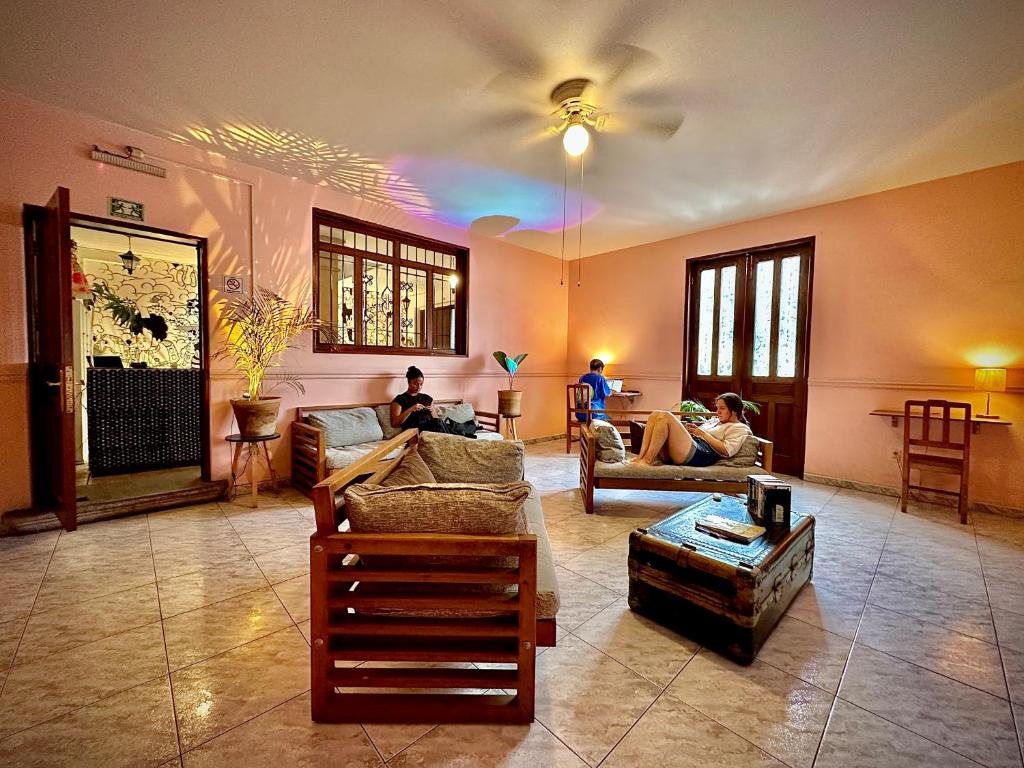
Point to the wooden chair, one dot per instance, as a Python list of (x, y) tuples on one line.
[(577, 400), (957, 454)]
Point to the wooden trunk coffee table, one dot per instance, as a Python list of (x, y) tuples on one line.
[(725, 594)]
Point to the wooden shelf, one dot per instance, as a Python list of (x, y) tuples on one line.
[(976, 421)]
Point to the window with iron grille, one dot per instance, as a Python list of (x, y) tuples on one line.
[(382, 291)]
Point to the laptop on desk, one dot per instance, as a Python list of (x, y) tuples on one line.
[(615, 384)]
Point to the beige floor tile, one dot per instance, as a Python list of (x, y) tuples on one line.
[(286, 737), (961, 657), (580, 598), (1006, 593), (10, 636), (77, 587), (191, 558), (57, 684), (1009, 629), (961, 718), (1013, 664), (17, 600), (839, 576), (132, 728), (522, 746), (226, 690), (305, 629), (571, 679), (774, 710), (863, 558), (284, 564), (635, 641), (672, 734), (294, 593), (604, 566), (969, 617), (808, 652), (392, 739), (209, 585), (80, 623), (856, 737), (833, 611), (205, 632)]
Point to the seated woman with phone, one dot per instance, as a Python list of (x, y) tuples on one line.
[(671, 441)]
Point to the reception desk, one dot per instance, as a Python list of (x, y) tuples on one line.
[(143, 418)]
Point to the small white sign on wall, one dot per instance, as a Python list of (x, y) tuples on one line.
[(234, 284)]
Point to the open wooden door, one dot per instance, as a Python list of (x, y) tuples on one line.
[(50, 351), (748, 331)]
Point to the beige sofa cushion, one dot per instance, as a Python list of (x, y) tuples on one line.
[(547, 582), (384, 419), (347, 426), (746, 456), (466, 508), (339, 458), (455, 459), (410, 471), (460, 413), (626, 470)]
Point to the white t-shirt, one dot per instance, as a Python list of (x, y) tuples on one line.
[(732, 434)]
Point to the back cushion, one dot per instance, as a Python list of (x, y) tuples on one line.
[(459, 413), (609, 441), (455, 459), (348, 426), (384, 418), (746, 456), (466, 508), (410, 471)]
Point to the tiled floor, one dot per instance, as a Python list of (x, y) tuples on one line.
[(181, 639)]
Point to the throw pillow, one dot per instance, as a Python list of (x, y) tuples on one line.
[(466, 508), (609, 442), (384, 419), (745, 457), (455, 459), (460, 413), (410, 471), (347, 426)]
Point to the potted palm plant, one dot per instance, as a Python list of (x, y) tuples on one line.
[(510, 400), (260, 328)]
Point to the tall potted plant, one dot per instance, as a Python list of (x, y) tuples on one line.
[(260, 328), (510, 400)]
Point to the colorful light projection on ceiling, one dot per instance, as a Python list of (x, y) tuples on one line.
[(462, 193)]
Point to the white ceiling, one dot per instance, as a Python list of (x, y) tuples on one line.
[(787, 104)]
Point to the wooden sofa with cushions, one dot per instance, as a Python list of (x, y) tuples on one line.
[(723, 477), (313, 458), (383, 598)]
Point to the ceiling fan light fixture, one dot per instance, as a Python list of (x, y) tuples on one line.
[(576, 139)]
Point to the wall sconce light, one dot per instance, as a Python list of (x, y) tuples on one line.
[(989, 380)]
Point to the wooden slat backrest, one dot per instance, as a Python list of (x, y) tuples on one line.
[(577, 399), (352, 619), (947, 414)]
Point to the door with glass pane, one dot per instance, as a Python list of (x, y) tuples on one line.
[(748, 323)]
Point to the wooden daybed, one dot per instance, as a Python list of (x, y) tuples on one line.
[(350, 620), (596, 474), (310, 450)]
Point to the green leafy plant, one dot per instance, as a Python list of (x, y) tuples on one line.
[(696, 408), (261, 327), (125, 312), (510, 364)]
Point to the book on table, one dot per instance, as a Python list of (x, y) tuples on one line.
[(715, 525)]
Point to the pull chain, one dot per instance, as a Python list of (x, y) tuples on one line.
[(565, 192), (579, 250)]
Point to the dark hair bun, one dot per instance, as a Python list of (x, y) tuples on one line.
[(413, 373)]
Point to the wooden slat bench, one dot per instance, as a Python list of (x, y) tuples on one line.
[(309, 448), (641, 479), (377, 598)]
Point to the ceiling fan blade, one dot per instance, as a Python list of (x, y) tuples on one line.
[(626, 62), (662, 127), (648, 98)]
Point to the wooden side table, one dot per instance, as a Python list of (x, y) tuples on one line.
[(253, 455)]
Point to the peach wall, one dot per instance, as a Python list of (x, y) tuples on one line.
[(516, 303), (913, 288)]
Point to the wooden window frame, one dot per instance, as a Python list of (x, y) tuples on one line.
[(397, 238)]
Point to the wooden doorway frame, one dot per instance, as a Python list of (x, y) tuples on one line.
[(132, 228), (744, 325)]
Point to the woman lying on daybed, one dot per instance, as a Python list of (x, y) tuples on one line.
[(668, 439)]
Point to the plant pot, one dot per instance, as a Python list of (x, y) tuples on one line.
[(510, 402), (257, 418)]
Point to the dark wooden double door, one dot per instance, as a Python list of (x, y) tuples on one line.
[(748, 331)]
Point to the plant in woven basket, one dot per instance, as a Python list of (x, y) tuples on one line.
[(260, 327), (510, 364)]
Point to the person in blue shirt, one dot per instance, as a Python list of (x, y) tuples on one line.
[(599, 389)]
